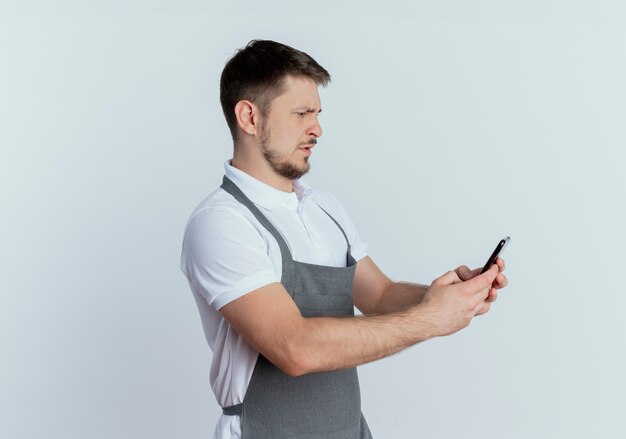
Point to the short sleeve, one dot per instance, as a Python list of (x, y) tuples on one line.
[(224, 256)]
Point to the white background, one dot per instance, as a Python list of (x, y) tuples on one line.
[(447, 126)]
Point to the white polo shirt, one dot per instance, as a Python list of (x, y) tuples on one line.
[(227, 253)]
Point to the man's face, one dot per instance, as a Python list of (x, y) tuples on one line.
[(291, 128)]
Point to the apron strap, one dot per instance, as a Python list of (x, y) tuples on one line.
[(288, 277), (338, 225)]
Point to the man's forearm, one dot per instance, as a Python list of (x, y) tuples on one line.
[(336, 343), (332, 343), (399, 296)]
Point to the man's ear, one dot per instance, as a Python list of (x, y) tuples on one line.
[(247, 116)]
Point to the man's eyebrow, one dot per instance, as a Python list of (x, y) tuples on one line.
[(308, 110)]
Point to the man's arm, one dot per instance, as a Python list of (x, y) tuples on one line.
[(399, 296), (375, 293), (271, 322)]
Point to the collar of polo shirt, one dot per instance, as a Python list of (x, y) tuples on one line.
[(264, 195)]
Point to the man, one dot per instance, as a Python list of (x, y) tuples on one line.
[(277, 267)]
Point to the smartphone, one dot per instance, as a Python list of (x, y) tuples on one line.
[(495, 254)]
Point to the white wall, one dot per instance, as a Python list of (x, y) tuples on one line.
[(448, 125)]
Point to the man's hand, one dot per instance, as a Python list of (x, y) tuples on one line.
[(500, 282), (453, 302)]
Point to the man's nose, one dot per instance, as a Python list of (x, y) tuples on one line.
[(315, 129)]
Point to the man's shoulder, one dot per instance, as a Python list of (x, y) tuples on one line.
[(218, 203), (217, 211)]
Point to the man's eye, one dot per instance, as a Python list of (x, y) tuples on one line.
[(302, 114)]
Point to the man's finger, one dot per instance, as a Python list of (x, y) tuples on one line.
[(482, 308), (501, 265), (464, 272), (481, 281), (448, 279), (501, 281), (475, 272)]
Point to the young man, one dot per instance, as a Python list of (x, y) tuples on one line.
[(277, 267)]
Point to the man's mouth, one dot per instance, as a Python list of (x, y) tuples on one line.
[(307, 149), (310, 144)]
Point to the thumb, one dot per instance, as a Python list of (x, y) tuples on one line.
[(484, 280), (464, 272), (448, 278)]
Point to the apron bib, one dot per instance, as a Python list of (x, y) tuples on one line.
[(317, 405)]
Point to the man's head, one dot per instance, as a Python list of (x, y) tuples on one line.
[(257, 73), (269, 97)]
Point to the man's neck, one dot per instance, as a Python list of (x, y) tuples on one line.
[(262, 172)]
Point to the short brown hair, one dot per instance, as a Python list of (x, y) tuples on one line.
[(257, 73)]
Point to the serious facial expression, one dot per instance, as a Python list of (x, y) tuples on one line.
[(291, 128)]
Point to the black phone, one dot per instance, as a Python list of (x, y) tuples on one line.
[(495, 254)]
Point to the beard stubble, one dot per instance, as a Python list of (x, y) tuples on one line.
[(282, 167)]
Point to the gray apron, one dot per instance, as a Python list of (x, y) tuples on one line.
[(317, 405)]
